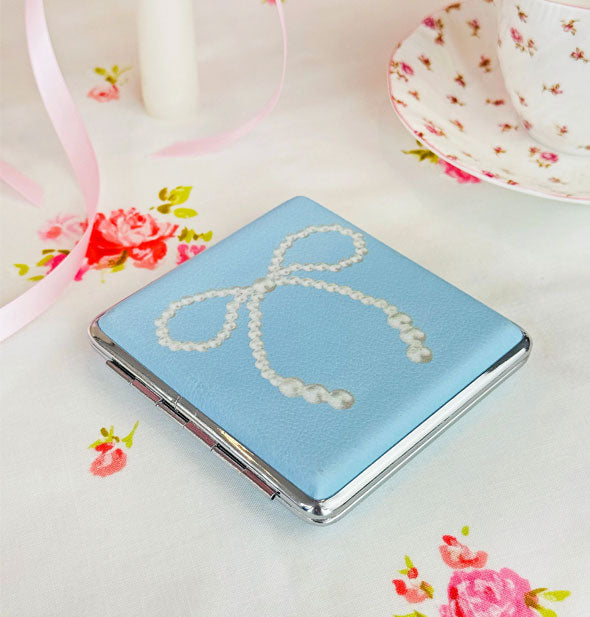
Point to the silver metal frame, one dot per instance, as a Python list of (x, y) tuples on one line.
[(275, 485)]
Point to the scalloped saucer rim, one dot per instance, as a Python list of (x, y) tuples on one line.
[(536, 190)]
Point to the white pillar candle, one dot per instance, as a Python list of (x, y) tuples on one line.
[(168, 58)]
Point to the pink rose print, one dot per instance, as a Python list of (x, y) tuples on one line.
[(568, 26), (186, 251), (55, 261), (554, 89), (111, 458), (104, 94), (499, 150), (414, 592), (438, 25), (121, 236), (561, 129), (461, 176), (531, 47), (489, 174), (543, 158), (457, 555), (475, 26), (521, 14), (485, 64), (485, 592), (425, 61), (112, 76), (401, 70), (516, 35), (551, 157), (432, 128), (578, 54), (62, 226), (109, 461), (126, 234), (454, 100), (473, 591)]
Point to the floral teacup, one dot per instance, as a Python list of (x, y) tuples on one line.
[(544, 52)]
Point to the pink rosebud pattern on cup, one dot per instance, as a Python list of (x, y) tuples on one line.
[(401, 70), (454, 100), (438, 26), (425, 61), (543, 158), (506, 126), (485, 63), (542, 32), (520, 44), (578, 54), (433, 128), (474, 26), (568, 26), (553, 89)]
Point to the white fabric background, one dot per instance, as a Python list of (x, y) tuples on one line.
[(179, 533)]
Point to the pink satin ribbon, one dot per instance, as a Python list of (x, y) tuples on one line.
[(73, 136), (216, 142), (28, 188)]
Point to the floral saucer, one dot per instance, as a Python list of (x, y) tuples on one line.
[(446, 86)]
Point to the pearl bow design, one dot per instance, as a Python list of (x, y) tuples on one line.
[(279, 274)]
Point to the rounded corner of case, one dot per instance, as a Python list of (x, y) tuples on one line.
[(526, 342), (96, 334), (319, 512)]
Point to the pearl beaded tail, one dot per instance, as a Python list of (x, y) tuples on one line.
[(278, 275)]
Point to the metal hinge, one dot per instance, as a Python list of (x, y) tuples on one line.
[(172, 410)]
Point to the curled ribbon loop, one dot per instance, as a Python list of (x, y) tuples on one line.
[(70, 130), (279, 274)]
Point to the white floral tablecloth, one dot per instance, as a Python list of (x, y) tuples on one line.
[(490, 521)]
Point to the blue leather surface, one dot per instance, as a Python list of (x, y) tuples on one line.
[(319, 337)]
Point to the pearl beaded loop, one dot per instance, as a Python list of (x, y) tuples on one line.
[(278, 275)]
